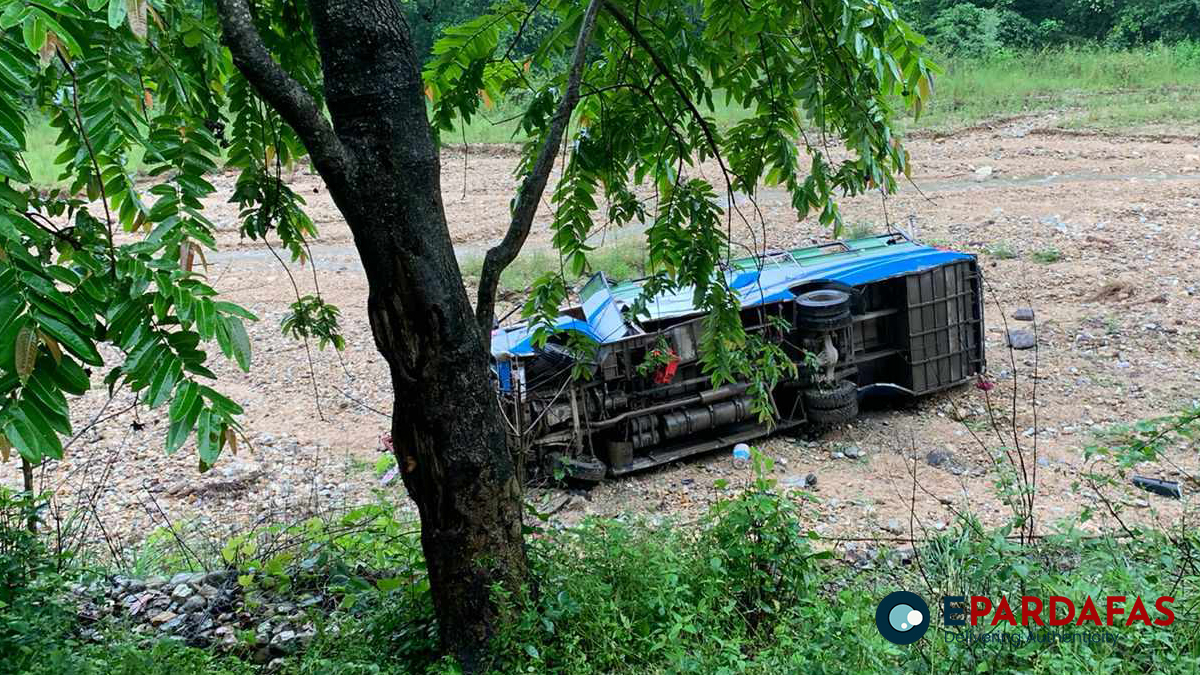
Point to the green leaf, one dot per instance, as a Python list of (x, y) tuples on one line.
[(40, 431), (220, 402), (239, 342), (27, 443), (116, 13), (185, 408), (67, 337), (193, 38), (389, 584), (34, 32), (165, 376), (210, 437), (10, 307), (49, 401), (64, 36), (236, 310), (70, 378)]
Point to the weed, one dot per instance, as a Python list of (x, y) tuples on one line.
[(860, 229), (1000, 250), (1046, 256), (622, 258)]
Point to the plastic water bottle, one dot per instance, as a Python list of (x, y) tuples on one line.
[(741, 456)]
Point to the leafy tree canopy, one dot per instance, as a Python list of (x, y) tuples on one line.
[(104, 274)]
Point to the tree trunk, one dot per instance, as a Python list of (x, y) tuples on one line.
[(381, 167), (446, 426)]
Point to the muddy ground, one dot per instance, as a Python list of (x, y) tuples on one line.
[(1099, 234)]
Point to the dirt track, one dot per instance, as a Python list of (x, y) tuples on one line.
[(1122, 213)]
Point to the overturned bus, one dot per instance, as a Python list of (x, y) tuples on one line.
[(878, 312)]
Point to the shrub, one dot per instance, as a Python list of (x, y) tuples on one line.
[(966, 30), (35, 627), (1046, 256)]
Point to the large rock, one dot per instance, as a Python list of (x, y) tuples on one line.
[(938, 458), (195, 603), (285, 641), (1021, 339)]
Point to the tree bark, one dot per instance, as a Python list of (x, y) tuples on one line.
[(382, 170)]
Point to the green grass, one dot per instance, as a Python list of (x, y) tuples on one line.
[(622, 258), (1100, 88), (1144, 88), (39, 158), (1046, 256), (860, 229), (41, 141), (743, 590), (1000, 250)]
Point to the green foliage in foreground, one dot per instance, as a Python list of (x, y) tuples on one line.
[(748, 590)]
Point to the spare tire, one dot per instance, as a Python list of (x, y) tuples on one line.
[(842, 394), (834, 415), (824, 303), (824, 324)]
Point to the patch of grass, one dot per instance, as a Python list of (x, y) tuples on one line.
[(621, 258), (1046, 256), (42, 149), (1000, 250), (1103, 87), (1099, 87), (384, 464), (860, 229), (40, 153)]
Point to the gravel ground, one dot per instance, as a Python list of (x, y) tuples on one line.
[(1115, 221)]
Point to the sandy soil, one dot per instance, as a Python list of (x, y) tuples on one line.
[(1123, 212)]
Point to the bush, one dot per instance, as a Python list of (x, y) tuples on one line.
[(967, 31), (747, 590), (742, 593), (1140, 22), (35, 627)]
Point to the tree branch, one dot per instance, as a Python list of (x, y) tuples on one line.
[(710, 138), (282, 91), (500, 256), (665, 70)]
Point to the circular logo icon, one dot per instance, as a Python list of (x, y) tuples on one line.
[(902, 617)]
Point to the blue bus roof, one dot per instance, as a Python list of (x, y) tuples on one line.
[(756, 280)]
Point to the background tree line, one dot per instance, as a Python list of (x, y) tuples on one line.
[(978, 27), (954, 27)]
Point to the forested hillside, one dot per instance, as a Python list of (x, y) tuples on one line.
[(954, 27), (976, 27)]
